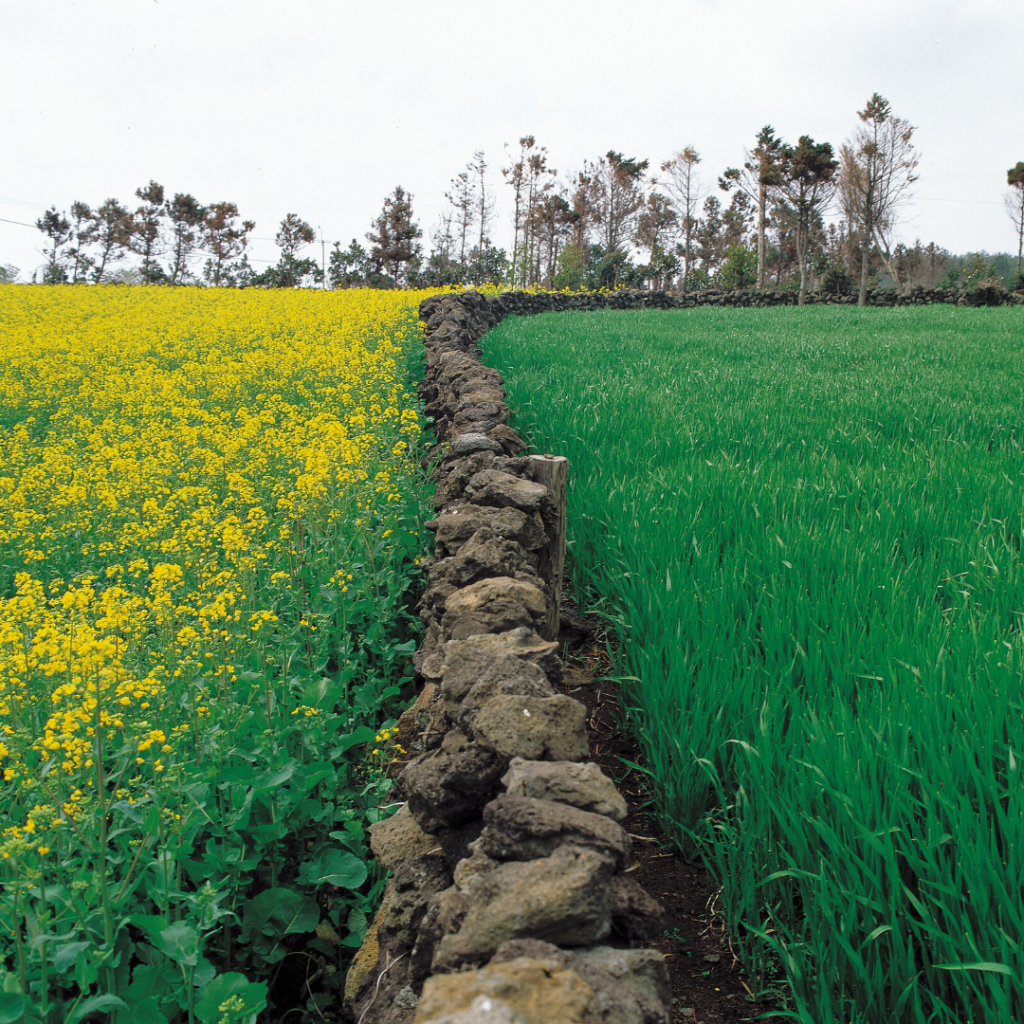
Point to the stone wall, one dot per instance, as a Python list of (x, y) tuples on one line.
[(512, 899), (527, 303)]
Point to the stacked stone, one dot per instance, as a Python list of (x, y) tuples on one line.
[(512, 899)]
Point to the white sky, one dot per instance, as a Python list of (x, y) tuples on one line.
[(321, 108)]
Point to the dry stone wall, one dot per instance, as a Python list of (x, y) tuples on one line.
[(512, 899)]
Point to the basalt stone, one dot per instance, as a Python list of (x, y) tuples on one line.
[(422, 726), (503, 490), (465, 444), (641, 971), (507, 676), (446, 790), (445, 911), (460, 523), (414, 882), (484, 555), (463, 663), (580, 785), (534, 728), (497, 616), (480, 595), (510, 441), (564, 898), (398, 839), (630, 986), (521, 991), (635, 913), (522, 828), (456, 842)]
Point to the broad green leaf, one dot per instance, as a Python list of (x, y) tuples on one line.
[(148, 1012), (278, 912), (12, 1007), (180, 942), (92, 1005), (64, 957), (252, 994), (334, 867)]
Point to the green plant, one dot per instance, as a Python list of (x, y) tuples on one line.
[(806, 527)]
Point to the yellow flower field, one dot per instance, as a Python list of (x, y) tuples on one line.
[(209, 506)]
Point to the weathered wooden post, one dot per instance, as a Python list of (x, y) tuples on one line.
[(552, 471)]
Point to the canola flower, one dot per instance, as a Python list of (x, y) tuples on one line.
[(195, 488)]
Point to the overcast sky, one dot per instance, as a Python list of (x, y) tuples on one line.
[(321, 108)]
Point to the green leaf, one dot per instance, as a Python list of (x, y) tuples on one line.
[(64, 957), (180, 942), (253, 995), (12, 1006), (981, 965), (363, 734), (94, 1003), (278, 912), (334, 867), (148, 1012)]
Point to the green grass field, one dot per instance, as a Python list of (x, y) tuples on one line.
[(807, 525)]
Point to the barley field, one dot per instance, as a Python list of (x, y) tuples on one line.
[(806, 526)]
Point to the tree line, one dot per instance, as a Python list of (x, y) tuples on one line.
[(616, 221)]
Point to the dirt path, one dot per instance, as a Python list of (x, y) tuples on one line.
[(708, 981)]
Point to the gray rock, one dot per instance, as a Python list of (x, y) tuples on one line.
[(580, 785), (642, 971), (463, 663), (522, 828), (635, 990), (398, 839), (564, 898), (497, 616), (635, 913), (458, 524), (508, 676), (484, 1010), (535, 728), (446, 790), (492, 487), (521, 991), (498, 588), (464, 444), (484, 555)]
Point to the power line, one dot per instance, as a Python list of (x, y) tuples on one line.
[(21, 222)]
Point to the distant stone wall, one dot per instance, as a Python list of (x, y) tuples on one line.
[(988, 293), (511, 899)]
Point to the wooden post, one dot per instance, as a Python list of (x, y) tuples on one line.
[(552, 471)]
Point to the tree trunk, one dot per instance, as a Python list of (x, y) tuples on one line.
[(801, 245), (865, 253), (762, 201)]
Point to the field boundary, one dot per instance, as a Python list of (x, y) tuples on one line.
[(508, 848)]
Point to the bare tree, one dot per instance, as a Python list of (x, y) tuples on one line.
[(515, 176), (878, 166), (463, 203), (761, 172), (484, 201), (617, 189), (1015, 206), (686, 191)]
